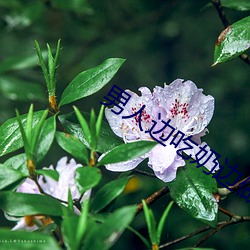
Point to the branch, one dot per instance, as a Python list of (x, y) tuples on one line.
[(226, 23), (235, 220), (152, 198), (225, 192), (144, 173)]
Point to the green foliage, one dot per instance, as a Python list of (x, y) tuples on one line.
[(193, 191), (90, 81), (107, 139), (10, 136), (110, 230), (108, 193), (154, 231), (87, 178), (127, 152), (73, 146), (233, 41), (12, 174), (17, 240), (30, 204)]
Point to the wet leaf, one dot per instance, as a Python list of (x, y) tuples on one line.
[(107, 138), (90, 81), (10, 135), (193, 191), (20, 204), (108, 193), (232, 41)]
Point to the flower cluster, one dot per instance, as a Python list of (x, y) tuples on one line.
[(58, 189), (190, 112)]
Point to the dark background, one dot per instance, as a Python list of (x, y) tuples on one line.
[(161, 41)]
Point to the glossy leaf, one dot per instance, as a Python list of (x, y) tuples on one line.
[(241, 5), (46, 137), (19, 90), (90, 81), (233, 41), (53, 174), (193, 191), (8, 176), (16, 240), (20, 204), (107, 138), (10, 136), (87, 177), (105, 235), (162, 221), (108, 193), (18, 162), (127, 152), (73, 146)]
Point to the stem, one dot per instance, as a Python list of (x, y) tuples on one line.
[(152, 198)]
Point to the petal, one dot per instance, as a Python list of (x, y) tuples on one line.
[(28, 186), (210, 164), (164, 161), (188, 108), (125, 166)]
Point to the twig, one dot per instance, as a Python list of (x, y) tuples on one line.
[(224, 191), (226, 23), (144, 173), (235, 220), (152, 198), (224, 211)]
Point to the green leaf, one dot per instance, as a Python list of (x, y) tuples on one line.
[(127, 152), (241, 5), (99, 122), (92, 128), (18, 162), (69, 230), (90, 81), (46, 137), (19, 90), (20, 204), (8, 176), (107, 139), (105, 235), (84, 125), (73, 146), (10, 136), (53, 174), (16, 240), (108, 193), (162, 221), (193, 191), (87, 177), (151, 223), (233, 41)]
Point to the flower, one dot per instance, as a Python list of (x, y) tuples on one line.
[(58, 189), (190, 112)]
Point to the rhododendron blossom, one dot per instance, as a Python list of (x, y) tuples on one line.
[(58, 189), (190, 112)]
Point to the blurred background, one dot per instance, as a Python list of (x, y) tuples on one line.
[(161, 41)]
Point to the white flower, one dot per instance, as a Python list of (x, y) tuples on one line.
[(190, 112), (58, 189)]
